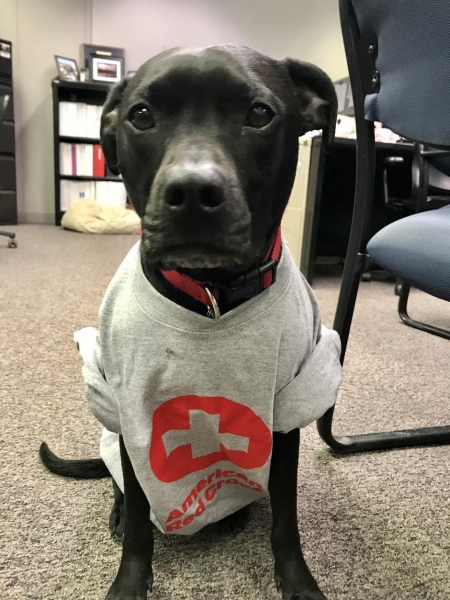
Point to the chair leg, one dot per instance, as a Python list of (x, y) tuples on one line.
[(404, 316), (12, 238), (349, 444), (369, 442)]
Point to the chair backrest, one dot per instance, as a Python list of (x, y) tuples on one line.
[(403, 52), (4, 101)]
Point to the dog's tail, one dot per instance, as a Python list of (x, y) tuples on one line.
[(91, 468)]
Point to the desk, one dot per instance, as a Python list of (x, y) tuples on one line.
[(317, 219)]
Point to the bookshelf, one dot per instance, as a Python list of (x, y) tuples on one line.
[(73, 153)]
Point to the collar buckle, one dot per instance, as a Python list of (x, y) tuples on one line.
[(247, 286)]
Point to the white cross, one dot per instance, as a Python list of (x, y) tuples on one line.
[(203, 436)]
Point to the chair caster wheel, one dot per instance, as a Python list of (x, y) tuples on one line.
[(12, 244), (366, 277)]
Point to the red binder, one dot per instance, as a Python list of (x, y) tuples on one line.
[(74, 159), (99, 161)]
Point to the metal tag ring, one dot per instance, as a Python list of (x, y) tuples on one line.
[(214, 304)]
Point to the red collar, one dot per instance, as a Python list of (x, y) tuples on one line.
[(246, 286)]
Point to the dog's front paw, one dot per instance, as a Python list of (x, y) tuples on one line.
[(130, 584), (121, 590), (296, 587)]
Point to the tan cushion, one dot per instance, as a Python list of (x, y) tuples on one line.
[(89, 216)]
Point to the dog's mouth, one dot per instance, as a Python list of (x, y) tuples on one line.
[(168, 246), (199, 255)]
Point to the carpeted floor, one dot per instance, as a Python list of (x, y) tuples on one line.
[(374, 527)]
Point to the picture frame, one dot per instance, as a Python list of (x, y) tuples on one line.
[(67, 68), (90, 52), (106, 69)]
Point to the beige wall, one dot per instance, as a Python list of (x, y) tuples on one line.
[(39, 29), (305, 29)]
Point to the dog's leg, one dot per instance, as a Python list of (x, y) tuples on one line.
[(236, 522), (117, 516), (135, 572), (292, 575)]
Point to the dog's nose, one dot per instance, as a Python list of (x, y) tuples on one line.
[(194, 188)]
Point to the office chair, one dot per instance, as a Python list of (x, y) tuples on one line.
[(397, 54), (430, 189), (4, 101)]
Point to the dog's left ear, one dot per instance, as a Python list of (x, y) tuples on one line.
[(108, 124), (316, 96)]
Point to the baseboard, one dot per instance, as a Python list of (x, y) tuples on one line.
[(39, 218)]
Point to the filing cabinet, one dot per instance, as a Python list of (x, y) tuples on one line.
[(8, 200)]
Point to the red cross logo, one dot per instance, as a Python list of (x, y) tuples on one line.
[(191, 433)]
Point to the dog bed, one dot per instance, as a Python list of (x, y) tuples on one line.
[(89, 216)]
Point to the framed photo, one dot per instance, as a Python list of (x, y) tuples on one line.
[(67, 68), (107, 69), (104, 63)]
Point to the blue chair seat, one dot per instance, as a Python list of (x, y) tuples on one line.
[(416, 250)]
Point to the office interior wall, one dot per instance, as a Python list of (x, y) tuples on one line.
[(304, 29), (39, 29)]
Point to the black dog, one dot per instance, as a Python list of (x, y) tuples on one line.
[(207, 141)]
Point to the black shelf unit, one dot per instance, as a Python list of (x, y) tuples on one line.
[(88, 178), (74, 91), (78, 140), (8, 193)]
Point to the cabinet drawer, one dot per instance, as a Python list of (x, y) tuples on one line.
[(7, 90), (5, 59), (7, 173), (8, 208), (7, 143)]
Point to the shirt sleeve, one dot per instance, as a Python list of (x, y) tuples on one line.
[(313, 391), (100, 397)]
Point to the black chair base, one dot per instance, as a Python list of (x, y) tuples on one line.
[(12, 238), (370, 442), (404, 316)]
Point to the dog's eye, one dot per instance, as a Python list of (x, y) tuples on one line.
[(259, 116), (141, 118)]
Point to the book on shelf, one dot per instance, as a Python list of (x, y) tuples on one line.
[(99, 167), (78, 119), (81, 159), (112, 193)]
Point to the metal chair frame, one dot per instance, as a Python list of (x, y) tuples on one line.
[(364, 79)]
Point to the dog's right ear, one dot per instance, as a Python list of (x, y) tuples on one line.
[(316, 96), (108, 124)]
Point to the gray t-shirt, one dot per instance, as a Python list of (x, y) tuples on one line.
[(197, 399)]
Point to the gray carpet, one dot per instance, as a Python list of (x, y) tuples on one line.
[(374, 527)]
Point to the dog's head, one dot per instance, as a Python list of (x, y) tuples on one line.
[(207, 141)]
